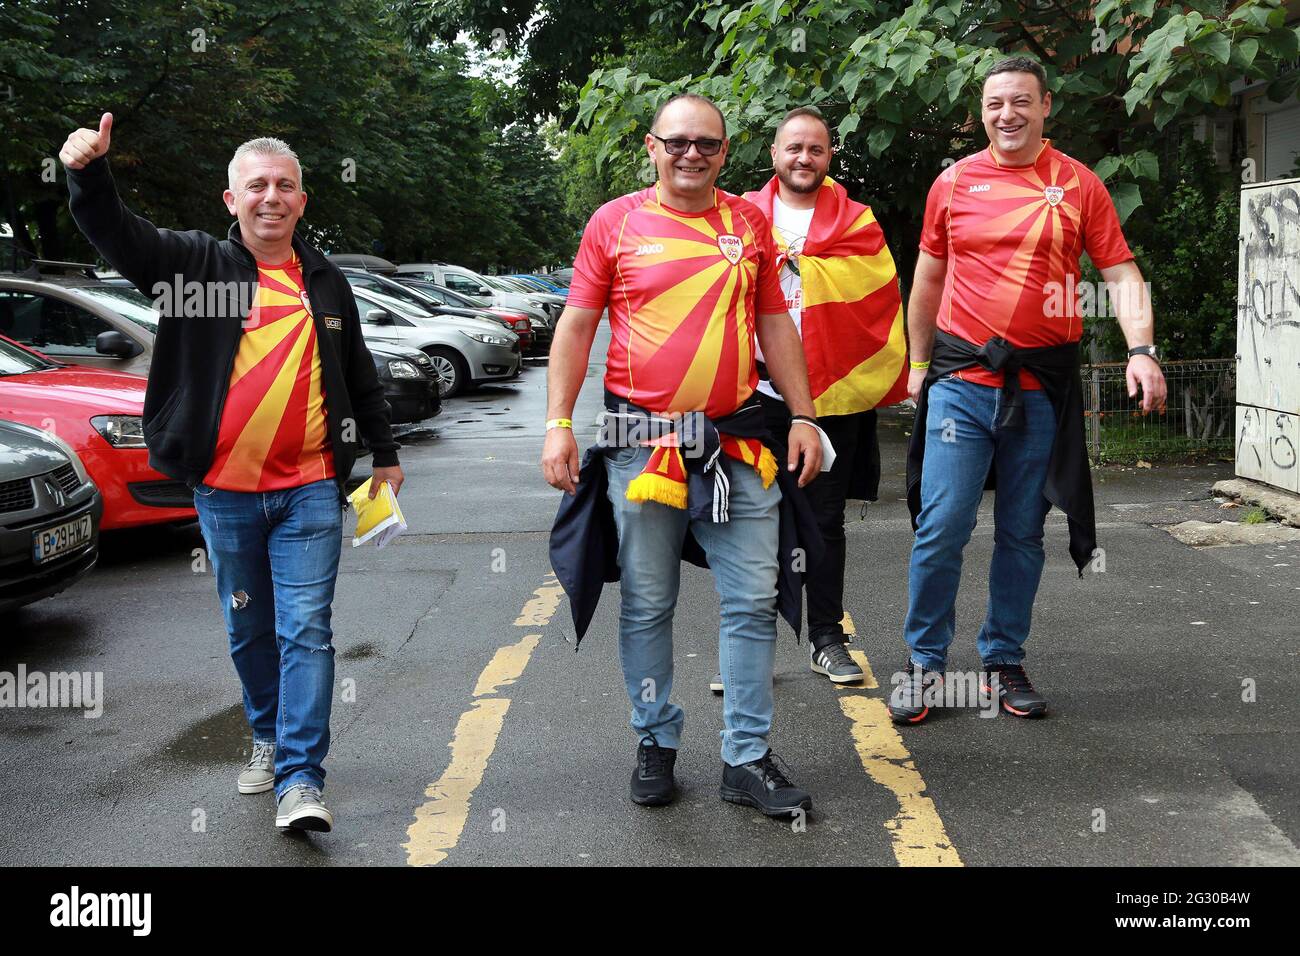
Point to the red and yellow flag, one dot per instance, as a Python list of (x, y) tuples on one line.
[(852, 318)]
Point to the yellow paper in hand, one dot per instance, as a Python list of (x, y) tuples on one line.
[(379, 518)]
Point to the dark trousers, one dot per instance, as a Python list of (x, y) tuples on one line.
[(824, 584)]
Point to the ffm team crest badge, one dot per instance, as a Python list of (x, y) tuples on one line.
[(1054, 195), (731, 247)]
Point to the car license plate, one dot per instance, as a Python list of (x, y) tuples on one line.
[(49, 543)]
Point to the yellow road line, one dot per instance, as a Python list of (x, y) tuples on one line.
[(859, 658), (916, 831), (507, 666), (440, 820)]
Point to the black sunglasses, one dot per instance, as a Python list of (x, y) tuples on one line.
[(679, 147)]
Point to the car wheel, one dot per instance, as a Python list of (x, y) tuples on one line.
[(450, 368)]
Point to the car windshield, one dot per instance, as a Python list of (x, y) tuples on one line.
[(514, 285), (448, 297), (532, 283), (372, 300), (493, 282), (127, 303), (395, 290), (16, 361)]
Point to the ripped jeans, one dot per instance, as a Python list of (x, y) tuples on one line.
[(275, 555)]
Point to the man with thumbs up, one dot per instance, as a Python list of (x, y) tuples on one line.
[(256, 405)]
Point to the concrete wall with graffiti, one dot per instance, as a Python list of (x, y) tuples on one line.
[(1268, 335)]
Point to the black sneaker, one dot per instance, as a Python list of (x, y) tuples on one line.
[(716, 684), (760, 783), (834, 661), (1016, 693), (907, 700), (652, 780)]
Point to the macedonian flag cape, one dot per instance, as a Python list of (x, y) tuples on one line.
[(852, 317)]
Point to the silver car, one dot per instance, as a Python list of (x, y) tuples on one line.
[(480, 288), (79, 320), (465, 352), (49, 516)]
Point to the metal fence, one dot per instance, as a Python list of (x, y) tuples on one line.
[(1198, 419)]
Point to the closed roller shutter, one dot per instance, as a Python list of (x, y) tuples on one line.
[(1281, 142)]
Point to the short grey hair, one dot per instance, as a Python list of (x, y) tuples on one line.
[(262, 146)]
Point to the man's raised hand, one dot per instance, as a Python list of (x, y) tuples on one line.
[(86, 145)]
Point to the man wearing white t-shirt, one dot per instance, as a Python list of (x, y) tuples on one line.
[(841, 289)]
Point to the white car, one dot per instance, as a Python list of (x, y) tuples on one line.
[(465, 352), (484, 290)]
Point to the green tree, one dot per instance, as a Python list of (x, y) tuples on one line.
[(900, 83), (400, 146), (1187, 248), (557, 43)]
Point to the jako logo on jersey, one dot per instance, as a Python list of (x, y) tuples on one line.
[(982, 188), (731, 247), (1054, 194), (650, 249)]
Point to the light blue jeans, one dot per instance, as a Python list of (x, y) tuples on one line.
[(962, 440), (742, 555), (275, 555)]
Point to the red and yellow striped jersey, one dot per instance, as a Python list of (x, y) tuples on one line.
[(683, 291), (272, 434), (1012, 235)]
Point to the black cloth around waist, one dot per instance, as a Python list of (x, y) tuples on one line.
[(1069, 480)]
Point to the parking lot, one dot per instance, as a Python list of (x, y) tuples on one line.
[(466, 730)]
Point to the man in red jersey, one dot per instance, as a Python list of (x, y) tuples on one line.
[(689, 275), (256, 404), (995, 372)]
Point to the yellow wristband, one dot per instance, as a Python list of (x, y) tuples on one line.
[(560, 423), (919, 365)]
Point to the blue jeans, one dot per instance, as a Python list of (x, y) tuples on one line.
[(275, 555), (962, 440), (742, 555)]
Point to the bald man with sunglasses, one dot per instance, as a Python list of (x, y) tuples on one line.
[(689, 275)]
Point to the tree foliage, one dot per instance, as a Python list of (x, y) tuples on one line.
[(398, 151), (900, 82)]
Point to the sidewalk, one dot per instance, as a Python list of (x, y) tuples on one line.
[(1144, 666)]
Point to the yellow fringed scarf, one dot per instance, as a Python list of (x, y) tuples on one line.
[(663, 479)]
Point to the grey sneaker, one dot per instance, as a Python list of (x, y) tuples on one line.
[(301, 808), (834, 661), (716, 684), (259, 774)]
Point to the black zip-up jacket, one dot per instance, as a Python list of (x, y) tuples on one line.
[(194, 354), (1069, 481)]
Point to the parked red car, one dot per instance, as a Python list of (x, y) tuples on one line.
[(98, 412)]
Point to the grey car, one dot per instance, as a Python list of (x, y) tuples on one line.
[(480, 289), (465, 352), (49, 516), (76, 318)]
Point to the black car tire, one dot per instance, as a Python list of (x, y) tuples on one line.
[(450, 367)]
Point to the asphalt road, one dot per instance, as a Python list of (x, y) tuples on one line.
[(467, 730)]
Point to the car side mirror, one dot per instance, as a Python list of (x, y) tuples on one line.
[(483, 290), (379, 317), (117, 345)]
